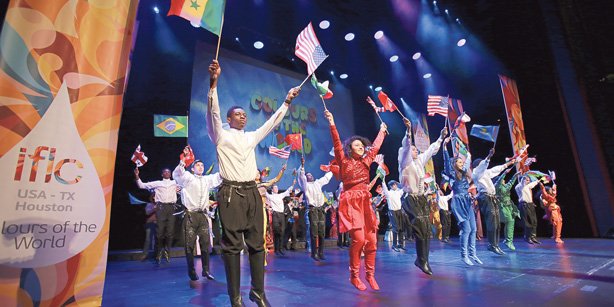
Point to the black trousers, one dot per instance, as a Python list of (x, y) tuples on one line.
[(343, 238), (317, 227), (398, 226), (279, 229), (529, 219), (446, 223), (196, 224), (289, 234), (489, 207), (417, 206), (166, 225)]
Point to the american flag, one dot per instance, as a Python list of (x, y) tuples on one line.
[(309, 50), (138, 157), (376, 108), (437, 105), (283, 153)]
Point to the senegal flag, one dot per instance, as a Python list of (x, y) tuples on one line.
[(170, 126), (202, 13)]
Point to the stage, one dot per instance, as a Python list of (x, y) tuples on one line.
[(578, 273)]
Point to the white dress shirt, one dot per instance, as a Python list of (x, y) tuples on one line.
[(393, 197), (411, 171), (166, 190), (313, 190), (195, 189), (442, 201), (525, 193), (235, 148), (482, 176), (276, 200)]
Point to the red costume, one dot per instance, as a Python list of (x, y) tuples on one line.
[(553, 213), (355, 212)]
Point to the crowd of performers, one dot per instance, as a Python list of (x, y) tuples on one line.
[(254, 215)]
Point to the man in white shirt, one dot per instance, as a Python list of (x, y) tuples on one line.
[(412, 174), (276, 201), (195, 197), (444, 214), (395, 214), (487, 198), (315, 204), (165, 199), (240, 204), (524, 189)]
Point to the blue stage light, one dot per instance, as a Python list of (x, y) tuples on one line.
[(349, 37), (461, 42), (324, 24), (156, 10), (416, 55), (343, 76), (258, 45), (379, 88), (394, 58), (379, 34), (426, 76)]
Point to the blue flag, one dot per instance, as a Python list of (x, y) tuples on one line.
[(488, 133)]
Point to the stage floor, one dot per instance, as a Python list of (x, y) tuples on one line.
[(577, 273)]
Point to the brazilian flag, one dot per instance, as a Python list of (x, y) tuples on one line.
[(170, 126)]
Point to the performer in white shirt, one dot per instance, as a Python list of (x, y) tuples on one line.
[(315, 206), (527, 208), (276, 201), (240, 204), (444, 214), (395, 214), (165, 199), (412, 175), (487, 198), (195, 197)]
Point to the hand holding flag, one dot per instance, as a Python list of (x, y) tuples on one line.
[(187, 156)]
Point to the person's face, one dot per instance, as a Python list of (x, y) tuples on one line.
[(166, 173), (414, 152), (394, 186), (378, 190), (198, 168), (275, 189), (358, 147), (553, 191), (526, 180), (237, 119), (458, 163), (309, 177)]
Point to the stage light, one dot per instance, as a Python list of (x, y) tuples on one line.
[(435, 2), (379, 34), (394, 58), (416, 55), (349, 37), (156, 10), (332, 73), (458, 21), (461, 42), (426, 76), (236, 39), (447, 12), (371, 86), (324, 24), (343, 76), (379, 88), (258, 45)]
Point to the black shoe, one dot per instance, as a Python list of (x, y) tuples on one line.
[(259, 299), (423, 267), (535, 240), (159, 257), (208, 275), (529, 241), (193, 275), (281, 252), (396, 249), (446, 240), (495, 250), (166, 257), (500, 250), (315, 257), (321, 256), (402, 247)]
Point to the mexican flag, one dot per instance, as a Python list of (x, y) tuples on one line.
[(207, 14)]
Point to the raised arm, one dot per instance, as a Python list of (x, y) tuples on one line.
[(448, 169), (214, 118), (433, 148), (302, 179), (277, 117), (405, 146), (377, 144), (180, 175), (337, 145), (324, 180)]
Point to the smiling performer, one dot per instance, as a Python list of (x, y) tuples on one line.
[(240, 204), (355, 213)]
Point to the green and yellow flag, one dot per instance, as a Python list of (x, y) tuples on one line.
[(207, 14), (170, 126)]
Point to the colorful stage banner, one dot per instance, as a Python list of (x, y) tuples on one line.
[(422, 142), (514, 117), (62, 77), (460, 144)]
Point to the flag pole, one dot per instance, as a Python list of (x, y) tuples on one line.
[(325, 109), (219, 37), (301, 85)]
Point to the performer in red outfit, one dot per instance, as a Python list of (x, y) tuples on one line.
[(355, 213), (553, 211)]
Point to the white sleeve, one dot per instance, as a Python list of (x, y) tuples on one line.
[(214, 118)]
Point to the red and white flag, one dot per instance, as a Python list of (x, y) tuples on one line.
[(295, 140), (309, 50), (386, 102), (138, 157), (376, 108), (283, 153), (437, 105)]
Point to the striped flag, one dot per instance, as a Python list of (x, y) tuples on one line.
[(207, 14), (283, 153), (386, 102), (309, 50), (437, 105), (376, 108)]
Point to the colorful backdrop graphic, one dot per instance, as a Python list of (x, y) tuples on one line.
[(514, 116), (62, 77), (260, 89)]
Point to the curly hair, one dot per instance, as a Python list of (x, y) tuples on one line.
[(347, 145)]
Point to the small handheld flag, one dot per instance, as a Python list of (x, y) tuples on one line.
[(322, 88), (386, 102), (295, 140), (308, 49), (187, 156), (283, 153), (138, 157), (488, 133), (437, 105)]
